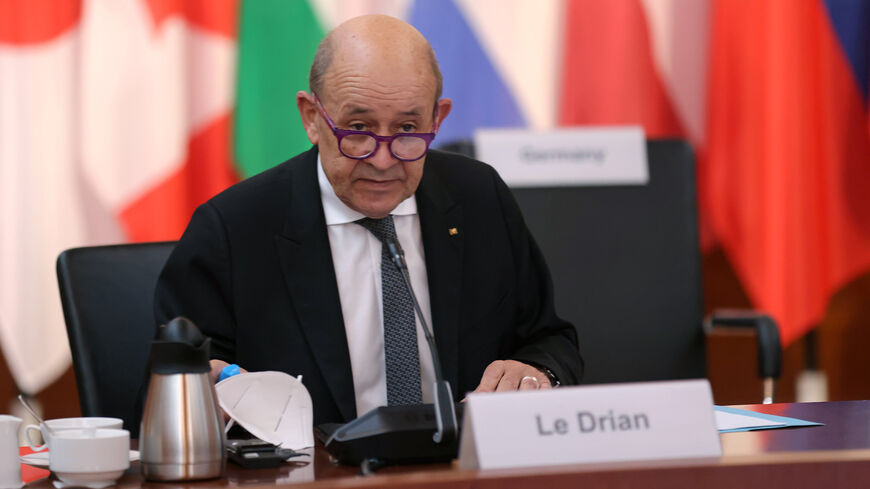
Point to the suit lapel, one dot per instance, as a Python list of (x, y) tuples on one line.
[(306, 261), (443, 238)]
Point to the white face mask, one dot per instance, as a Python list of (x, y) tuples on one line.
[(272, 406)]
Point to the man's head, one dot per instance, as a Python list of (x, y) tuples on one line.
[(373, 73)]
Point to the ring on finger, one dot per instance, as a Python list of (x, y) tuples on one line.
[(535, 379)]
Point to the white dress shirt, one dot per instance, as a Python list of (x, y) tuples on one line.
[(356, 256)]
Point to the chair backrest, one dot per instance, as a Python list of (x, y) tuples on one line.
[(107, 294), (626, 268)]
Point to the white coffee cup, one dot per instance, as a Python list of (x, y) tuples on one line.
[(92, 457), (63, 424), (10, 466)]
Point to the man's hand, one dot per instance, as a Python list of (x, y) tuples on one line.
[(216, 367), (511, 375)]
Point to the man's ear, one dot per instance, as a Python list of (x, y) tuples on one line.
[(308, 112), (444, 105)]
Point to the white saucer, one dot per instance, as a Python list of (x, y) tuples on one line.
[(40, 459), (92, 480)]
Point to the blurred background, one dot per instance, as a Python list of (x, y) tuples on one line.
[(119, 117)]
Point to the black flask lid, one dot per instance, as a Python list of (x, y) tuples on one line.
[(180, 348)]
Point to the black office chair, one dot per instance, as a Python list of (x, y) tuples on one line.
[(626, 268), (107, 294)]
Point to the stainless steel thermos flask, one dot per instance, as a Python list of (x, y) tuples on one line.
[(182, 433)]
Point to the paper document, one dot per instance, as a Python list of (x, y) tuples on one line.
[(730, 419)]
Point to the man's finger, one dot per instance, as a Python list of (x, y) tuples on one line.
[(510, 381), (530, 383), (491, 377), (216, 367)]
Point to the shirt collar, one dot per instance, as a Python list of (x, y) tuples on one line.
[(337, 212)]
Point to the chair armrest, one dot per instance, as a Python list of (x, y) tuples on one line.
[(766, 330)]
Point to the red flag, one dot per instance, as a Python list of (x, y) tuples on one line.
[(609, 76), (114, 124), (788, 157), (635, 62), (162, 212)]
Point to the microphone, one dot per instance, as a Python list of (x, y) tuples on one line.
[(445, 414), (400, 434)]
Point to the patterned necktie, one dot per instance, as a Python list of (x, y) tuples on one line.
[(400, 329)]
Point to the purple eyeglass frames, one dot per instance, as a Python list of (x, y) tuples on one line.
[(359, 145)]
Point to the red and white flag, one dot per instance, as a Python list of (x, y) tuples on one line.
[(113, 112)]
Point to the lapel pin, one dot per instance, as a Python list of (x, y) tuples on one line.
[(453, 231)]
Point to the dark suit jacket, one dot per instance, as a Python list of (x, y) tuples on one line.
[(254, 271)]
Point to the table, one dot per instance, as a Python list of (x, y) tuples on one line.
[(830, 456)]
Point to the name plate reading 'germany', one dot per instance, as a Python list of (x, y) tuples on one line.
[(585, 424), (575, 156)]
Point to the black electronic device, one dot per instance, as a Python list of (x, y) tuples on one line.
[(390, 434), (400, 434), (258, 454)]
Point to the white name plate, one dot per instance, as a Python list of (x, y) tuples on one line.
[(566, 157), (585, 424)]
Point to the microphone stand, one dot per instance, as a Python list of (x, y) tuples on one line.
[(399, 434), (445, 414)]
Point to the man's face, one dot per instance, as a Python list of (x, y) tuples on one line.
[(398, 99)]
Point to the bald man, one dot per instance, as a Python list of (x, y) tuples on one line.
[(284, 272)]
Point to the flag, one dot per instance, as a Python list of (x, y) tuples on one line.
[(41, 207), (277, 41), (637, 62), (609, 75), (788, 151), (480, 95), (114, 125), (773, 96)]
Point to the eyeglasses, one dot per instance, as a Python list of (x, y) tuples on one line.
[(359, 145)]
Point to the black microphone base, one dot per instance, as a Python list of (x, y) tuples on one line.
[(390, 434)]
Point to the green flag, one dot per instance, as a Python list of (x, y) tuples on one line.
[(277, 41)]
